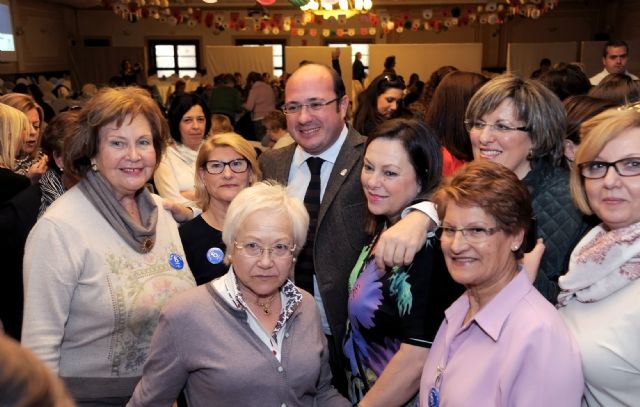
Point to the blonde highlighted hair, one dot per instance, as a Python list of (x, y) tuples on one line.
[(239, 145), (13, 123), (25, 103), (595, 134)]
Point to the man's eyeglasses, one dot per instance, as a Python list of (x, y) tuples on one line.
[(294, 107), (626, 167), (471, 234), (253, 249), (478, 125), (239, 165)]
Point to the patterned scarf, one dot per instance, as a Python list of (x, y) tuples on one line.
[(51, 188), (292, 295), (602, 263), (23, 164)]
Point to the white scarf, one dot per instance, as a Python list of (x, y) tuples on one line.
[(603, 262)]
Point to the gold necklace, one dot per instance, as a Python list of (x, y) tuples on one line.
[(266, 305)]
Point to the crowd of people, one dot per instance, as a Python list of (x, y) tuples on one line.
[(465, 241)]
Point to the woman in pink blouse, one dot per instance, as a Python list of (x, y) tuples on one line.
[(501, 343)]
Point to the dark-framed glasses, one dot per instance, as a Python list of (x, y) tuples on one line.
[(626, 167), (278, 250), (470, 234), (294, 107), (239, 165), (479, 125)]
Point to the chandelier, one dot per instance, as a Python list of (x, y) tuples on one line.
[(337, 8)]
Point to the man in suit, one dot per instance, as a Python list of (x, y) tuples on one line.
[(315, 107)]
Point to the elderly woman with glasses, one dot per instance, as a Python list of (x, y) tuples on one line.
[(501, 343), (380, 101), (251, 337), (226, 164), (520, 124), (599, 297)]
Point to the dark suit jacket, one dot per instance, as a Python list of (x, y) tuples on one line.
[(340, 232)]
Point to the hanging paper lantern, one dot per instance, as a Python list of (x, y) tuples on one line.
[(372, 31), (364, 30), (427, 14), (351, 32), (326, 32), (491, 6), (313, 32), (307, 18), (492, 19)]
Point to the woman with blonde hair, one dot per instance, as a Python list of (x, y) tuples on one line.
[(30, 161), (226, 164), (599, 293), (13, 123)]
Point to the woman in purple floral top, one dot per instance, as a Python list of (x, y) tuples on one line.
[(395, 313)]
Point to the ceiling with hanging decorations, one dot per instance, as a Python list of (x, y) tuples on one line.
[(342, 18)]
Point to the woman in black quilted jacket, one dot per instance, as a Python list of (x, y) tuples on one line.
[(521, 124)]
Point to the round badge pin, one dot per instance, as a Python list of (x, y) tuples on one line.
[(176, 261), (215, 255)]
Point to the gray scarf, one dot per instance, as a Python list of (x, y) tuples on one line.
[(100, 194)]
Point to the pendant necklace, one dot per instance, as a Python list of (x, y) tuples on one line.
[(266, 305)]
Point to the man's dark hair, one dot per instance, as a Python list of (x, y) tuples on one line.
[(614, 43)]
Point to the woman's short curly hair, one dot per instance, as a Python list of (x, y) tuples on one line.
[(493, 188)]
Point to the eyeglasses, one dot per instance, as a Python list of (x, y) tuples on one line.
[(497, 127), (471, 234), (627, 167), (253, 249), (239, 165), (294, 107)]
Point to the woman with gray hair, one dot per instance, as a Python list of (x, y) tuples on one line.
[(520, 124), (250, 337)]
